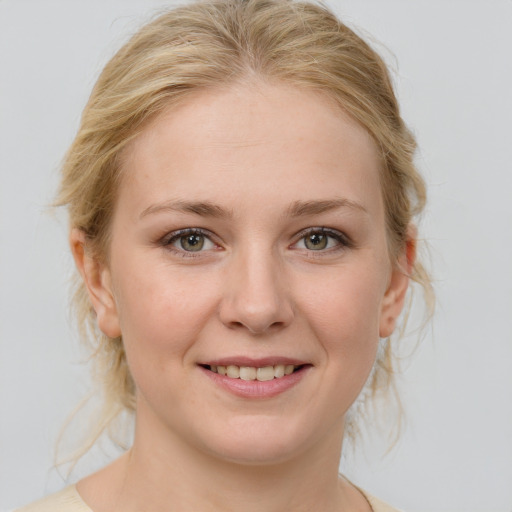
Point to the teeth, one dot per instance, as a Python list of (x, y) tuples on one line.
[(247, 373), (251, 373), (288, 369), (279, 371), (265, 373), (233, 372)]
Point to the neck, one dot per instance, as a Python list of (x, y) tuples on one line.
[(162, 473), (194, 481)]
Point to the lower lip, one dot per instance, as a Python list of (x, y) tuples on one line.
[(256, 388)]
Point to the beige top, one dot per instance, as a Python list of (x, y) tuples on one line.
[(68, 500)]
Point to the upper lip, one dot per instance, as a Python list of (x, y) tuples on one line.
[(254, 362)]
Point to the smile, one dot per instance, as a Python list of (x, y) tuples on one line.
[(262, 374), (256, 378)]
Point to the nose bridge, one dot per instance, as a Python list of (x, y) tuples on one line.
[(255, 295)]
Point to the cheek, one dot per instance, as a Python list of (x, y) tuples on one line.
[(346, 314), (161, 311)]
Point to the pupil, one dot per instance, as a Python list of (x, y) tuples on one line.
[(192, 242), (316, 241)]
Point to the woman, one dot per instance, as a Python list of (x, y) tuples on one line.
[(241, 194)]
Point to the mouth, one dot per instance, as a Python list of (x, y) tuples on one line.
[(261, 378), (252, 373)]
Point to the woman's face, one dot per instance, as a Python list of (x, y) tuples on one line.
[(249, 238)]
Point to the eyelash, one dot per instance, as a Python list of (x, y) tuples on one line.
[(343, 241), (168, 240)]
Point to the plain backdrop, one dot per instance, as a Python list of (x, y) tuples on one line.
[(452, 62)]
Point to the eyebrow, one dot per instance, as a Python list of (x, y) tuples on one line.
[(203, 208), (209, 209), (304, 208)]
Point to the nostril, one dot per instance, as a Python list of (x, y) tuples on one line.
[(255, 328), (257, 310), (236, 325)]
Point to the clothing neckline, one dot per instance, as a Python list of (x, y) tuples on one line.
[(375, 504)]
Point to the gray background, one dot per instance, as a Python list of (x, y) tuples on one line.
[(453, 63)]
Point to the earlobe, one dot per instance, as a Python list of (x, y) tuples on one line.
[(97, 279), (394, 297)]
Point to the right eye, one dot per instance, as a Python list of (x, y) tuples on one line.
[(189, 241)]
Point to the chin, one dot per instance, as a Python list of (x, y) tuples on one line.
[(258, 442), (250, 453)]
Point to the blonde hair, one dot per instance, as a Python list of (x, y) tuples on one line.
[(217, 43)]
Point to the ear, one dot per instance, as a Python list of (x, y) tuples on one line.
[(97, 280), (394, 297)]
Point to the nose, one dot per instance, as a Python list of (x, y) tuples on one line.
[(255, 295)]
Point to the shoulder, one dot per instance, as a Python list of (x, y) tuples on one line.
[(378, 505), (67, 500)]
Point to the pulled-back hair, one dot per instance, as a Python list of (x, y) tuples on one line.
[(215, 44)]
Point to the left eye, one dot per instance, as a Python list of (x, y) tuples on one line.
[(319, 240), (191, 242)]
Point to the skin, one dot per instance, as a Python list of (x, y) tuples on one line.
[(251, 154)]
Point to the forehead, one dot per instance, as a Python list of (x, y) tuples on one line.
[(258, 138)]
